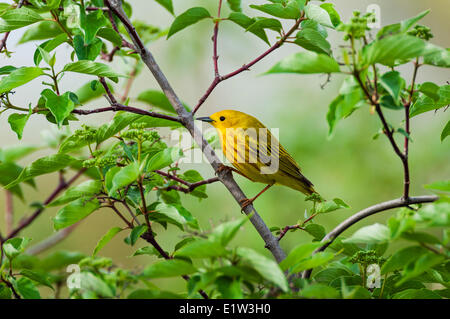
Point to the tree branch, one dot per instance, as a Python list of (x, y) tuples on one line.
[(187, 120), (61, 186), (120, 107), (245, 67), (381, 207), (52, 240)]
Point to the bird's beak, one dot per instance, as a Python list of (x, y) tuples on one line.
[(205, 119)]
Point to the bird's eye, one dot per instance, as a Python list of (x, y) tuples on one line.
[(222, 118)]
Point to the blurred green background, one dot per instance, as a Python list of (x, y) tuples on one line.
[(350, 165)]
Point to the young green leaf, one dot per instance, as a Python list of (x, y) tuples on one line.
[(245, 22), (443, 186), (124, 177), (290, 10), (26, 288), (393, 50), (445, 131), (13, 153), (85, 189), (169, 268), (298, 254), (202, 248), (164, 158), (19, 77), (45, 165), (306, 62), (318, 14), (401, 258), (313, 40), (334, 15), (424, 103), (74, 212), (430, 89), (418, 266), (187, 18), (136, 232), (225, 232), (18, 18), (235, 5), (17, 122), (314, 261), (262, 23), (158, 99), (61, 106), (49, 46), (373, 234), (92, 68), (42, 31), (91, 23), (15, 246), (393, 83), (266, 267), (166, 4), (39, 277)]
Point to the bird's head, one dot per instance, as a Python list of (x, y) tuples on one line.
[(227, 119)]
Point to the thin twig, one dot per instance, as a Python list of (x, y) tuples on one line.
[(381, 207), (37, 212), (52, 240), (245, 67)]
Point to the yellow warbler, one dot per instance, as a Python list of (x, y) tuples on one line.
[(256, 153)]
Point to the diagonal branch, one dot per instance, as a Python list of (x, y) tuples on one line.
[(381, 207), (188, 121)]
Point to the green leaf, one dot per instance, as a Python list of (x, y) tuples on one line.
[(334, 15), (172, 212), (13, 153), (92, 283), (314, 261), (90, 92), (445, 131), (106, 239), (39, 277), (169, 268), (424, 103), (26, 288), (315, 230), (245, 22), (74, 212), (329, 274), (299, 253), (166, 4), (164, 158), (373, 234), (436, 56), (120, 121), (18, 18), (401, 258), (124, 177), (13, 247), (202, 248), (111, 35), (405, 25), (290, 10), (266, 267), (60, 259), (136, 232), (393, 83), (17, 122), (19, 77), (91, 23), (86, 51), (42, 31), (92, 68), (393, 50), (49, 46), (436, 214), (416, 294), (319, 291), (45, 165), (401, 27), (318, 14), (7, 69), (235, 5), (357, 292), (420, 265), (430, 89), (85, 189), (313, 40), (158, 99), (330, 206), (229, 288), (61, 106), (443, 186), (187, 18), (306, 62), (262, 23), (225, 232)]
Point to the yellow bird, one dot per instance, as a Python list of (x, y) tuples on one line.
[(256, 153)]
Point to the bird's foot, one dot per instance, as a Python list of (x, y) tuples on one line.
[(245, 202), (222, 168)]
